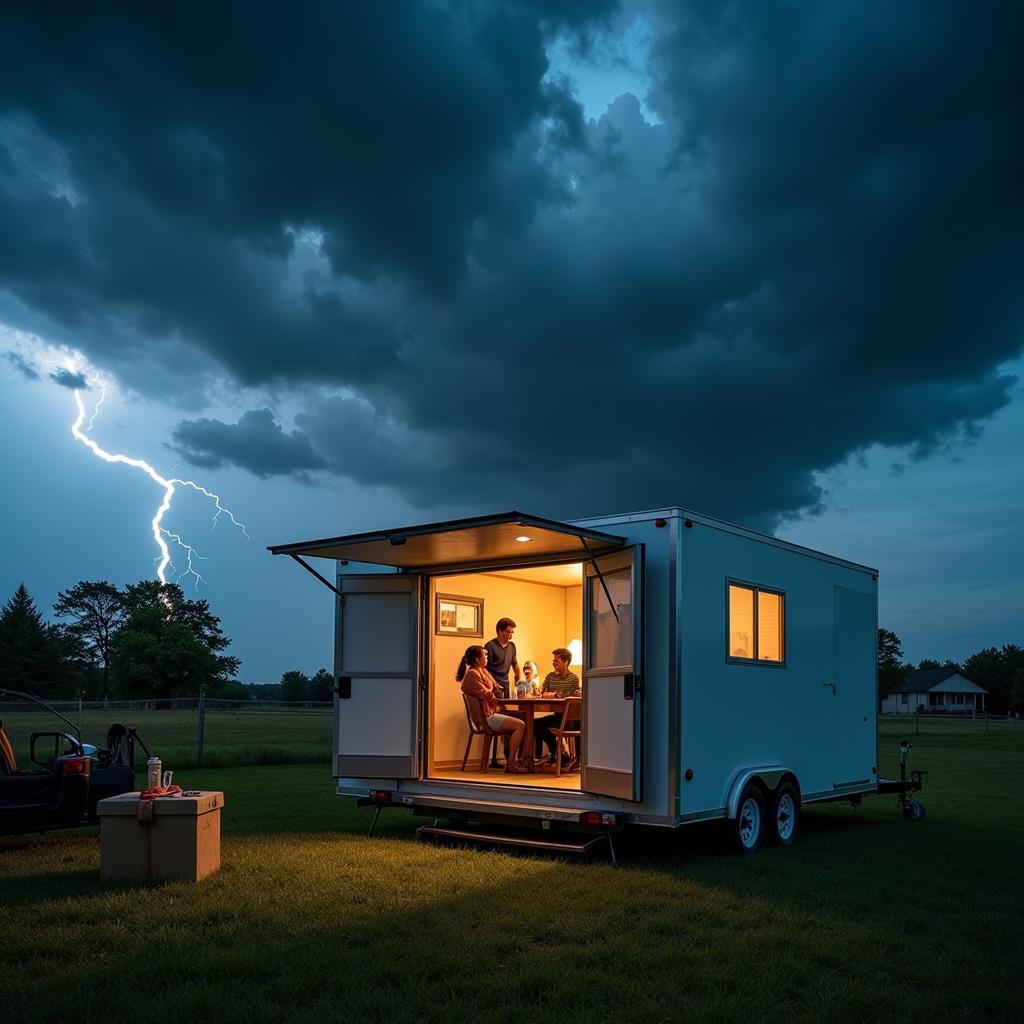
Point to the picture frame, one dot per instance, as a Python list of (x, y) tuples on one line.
[(457, 615)]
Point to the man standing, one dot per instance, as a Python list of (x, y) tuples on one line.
[(501, 655), (559, 683)]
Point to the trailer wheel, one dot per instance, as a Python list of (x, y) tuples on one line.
[(748, 826), (913, 809), (785, 815)]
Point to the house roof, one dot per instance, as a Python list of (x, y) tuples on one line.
[(924, 679)]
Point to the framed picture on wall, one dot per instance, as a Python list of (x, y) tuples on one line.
[(458, 616)]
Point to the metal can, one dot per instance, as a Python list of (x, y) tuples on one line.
[(153, 776)]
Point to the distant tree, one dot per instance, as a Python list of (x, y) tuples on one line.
[(1017, 693), (996, 669), (927, 663), (169, 646), (234, 690), (264, 691), (321, 686), (33, 656), (294, 686), (891, 670), (205, 626), (97, 612)]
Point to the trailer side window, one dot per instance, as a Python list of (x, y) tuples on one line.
[(757, 624)]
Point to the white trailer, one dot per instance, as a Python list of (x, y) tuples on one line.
[(726, 674)]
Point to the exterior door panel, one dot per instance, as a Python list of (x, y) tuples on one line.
[(613, 676), (376, 676)]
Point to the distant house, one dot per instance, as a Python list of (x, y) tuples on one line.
[(935, 689)]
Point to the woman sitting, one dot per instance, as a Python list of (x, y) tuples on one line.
[(478, 682)]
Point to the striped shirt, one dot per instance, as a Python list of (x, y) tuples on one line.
[(565, 686)]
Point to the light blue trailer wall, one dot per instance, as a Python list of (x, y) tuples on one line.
[(737, 716)]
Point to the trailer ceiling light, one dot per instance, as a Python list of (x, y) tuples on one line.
[(523, 539)]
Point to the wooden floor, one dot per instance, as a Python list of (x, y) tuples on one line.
[(498, 776)]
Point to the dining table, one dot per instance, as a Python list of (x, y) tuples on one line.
[(528, 708)]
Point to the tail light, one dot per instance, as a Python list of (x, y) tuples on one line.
[(75, 765), (600, 819), (380, 796)]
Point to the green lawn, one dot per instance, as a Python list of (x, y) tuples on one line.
[(259, 735), (867, 918)]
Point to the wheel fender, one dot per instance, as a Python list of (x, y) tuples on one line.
[(768, 775)]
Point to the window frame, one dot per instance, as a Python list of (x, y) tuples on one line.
[(757, 588)]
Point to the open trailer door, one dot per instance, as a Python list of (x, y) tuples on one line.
[(377, 657), (612, 675), (376, 677)]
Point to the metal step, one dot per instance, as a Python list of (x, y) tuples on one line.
[(438, 803), (573, 845)]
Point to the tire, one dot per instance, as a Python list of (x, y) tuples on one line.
[(748, 827), (785, 817), (913, 809)]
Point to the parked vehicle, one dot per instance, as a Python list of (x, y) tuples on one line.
[(66, 777), (726, 674)]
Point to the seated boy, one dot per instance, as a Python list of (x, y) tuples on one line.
[(559, 683)]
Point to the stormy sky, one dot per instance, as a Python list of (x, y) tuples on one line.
[(361, 265)]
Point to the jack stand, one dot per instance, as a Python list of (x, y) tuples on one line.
[(909, 808), (611, 850), (373, 824)]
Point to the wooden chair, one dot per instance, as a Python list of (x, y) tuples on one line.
[(568, 729), (477, 721)]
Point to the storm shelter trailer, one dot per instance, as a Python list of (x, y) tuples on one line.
[(725, 674)]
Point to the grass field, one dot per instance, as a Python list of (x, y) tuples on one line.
[(258, 735), (867, 918)]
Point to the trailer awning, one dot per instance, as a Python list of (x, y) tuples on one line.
[(505, 538)]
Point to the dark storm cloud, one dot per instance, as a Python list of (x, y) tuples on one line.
[(67, 379), (817, 249), (256, 443), (22, 365)]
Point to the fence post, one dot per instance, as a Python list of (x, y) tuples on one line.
[(201, 726)]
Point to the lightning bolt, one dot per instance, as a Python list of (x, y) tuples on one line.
[(159, 531)]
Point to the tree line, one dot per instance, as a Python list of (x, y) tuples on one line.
[(296, 687), (145, 640), (999, 670), (140, 642)]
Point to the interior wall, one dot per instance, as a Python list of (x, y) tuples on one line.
[(573, 626), (543, 622)]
